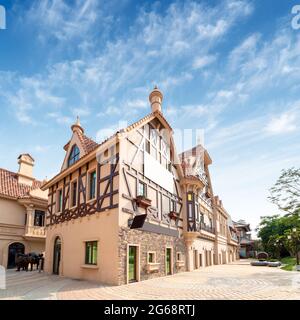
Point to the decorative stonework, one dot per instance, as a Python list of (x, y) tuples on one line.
[(149, 242)]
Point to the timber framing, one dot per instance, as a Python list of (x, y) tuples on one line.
[(84, 207)]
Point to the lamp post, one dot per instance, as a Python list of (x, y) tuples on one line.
[(295, 239), (277, 243)]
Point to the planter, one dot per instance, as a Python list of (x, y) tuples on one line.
[(143, 202), (207, 194), (260, 263), (173, 215), (152, 267), (274, 264)]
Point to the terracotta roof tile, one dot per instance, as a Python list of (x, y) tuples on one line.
[(10, 187), (88, 144)]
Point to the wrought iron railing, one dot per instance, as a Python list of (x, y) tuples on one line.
[(207, 228)]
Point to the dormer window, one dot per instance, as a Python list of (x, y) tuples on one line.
[(74, 155)]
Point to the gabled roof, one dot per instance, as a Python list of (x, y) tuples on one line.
[(10, 187), (87, 143), (90, 145), (242, 225)]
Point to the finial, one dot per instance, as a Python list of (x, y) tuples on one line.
[(155, 99), (77, 126)]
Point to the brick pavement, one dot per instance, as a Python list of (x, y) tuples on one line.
[(238, 280)]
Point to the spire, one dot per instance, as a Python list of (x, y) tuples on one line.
[(155, 99), (76, 127)]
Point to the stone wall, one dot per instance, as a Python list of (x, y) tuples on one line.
[(149, 241)]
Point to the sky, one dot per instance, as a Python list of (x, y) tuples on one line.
[(231, 68)]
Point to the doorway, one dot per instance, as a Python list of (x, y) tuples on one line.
[(56, 255), (13, 249), (200, 260), (168, 261), (132, 264), (196, 265)]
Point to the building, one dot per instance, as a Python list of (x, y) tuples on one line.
[(244, 237), (130, 208), (227, 240), (206, 229), (22, 212)]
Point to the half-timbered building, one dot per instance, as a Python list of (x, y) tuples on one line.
[(129, 208)]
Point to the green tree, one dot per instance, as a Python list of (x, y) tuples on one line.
[(274, 231), (286, 191)]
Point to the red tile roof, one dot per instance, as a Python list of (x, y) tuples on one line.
[(88, 144), (10, 187)]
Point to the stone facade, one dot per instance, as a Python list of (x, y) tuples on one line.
[(149, 242)]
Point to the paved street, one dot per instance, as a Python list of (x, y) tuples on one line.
[(234, 281)]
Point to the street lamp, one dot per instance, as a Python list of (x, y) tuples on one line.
[(294, 237)]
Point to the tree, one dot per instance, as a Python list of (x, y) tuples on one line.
[(274, 230), (286, 191)]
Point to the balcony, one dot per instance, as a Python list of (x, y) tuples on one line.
[(35, 232), (205, 227)]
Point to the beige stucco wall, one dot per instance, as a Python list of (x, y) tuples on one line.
[(12, 229), (201, 245), (30, 246), (101, 227), (11, 212)]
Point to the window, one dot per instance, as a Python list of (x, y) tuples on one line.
[(179, 256), (91, 250), (148, 146), (92, 185), (197, 212), (202, 217), (190, 211), (39, 218), (191, 205), (174, 209), (142, 189), (74, 155), (59, 201), (151, 257), (74, 194)]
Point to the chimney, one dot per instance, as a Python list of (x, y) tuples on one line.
[(155, 99), (25, 173)]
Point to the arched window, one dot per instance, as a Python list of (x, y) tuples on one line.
[(74, 155)]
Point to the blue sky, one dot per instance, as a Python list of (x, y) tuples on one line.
[(229, 67)]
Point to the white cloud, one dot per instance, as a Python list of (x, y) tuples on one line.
[(204, 61), (138, 104), (61, 19), (285, 123), (159, 48)]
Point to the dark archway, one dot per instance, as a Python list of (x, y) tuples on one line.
[(56, 255), (13, 249)]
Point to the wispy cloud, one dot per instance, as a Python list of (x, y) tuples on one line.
[(284, 123), (204, 61), (61, 19), (156, 42)]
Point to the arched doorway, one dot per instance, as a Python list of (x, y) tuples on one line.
[(13, 249), (56, 255)]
